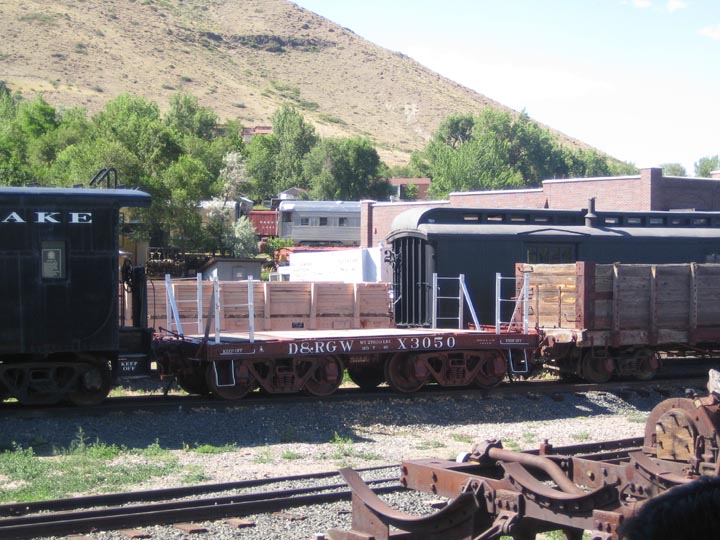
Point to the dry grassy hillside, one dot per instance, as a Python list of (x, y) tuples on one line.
[(242, 58)]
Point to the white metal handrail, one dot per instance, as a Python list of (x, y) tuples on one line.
[(521, 303), (173, 313), (250, 305), (462, 297)]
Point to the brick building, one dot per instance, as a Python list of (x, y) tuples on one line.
[(649, 190)]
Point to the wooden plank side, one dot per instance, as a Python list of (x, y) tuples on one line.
[(334, 300)]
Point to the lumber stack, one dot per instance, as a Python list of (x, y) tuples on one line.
[(277, 305)]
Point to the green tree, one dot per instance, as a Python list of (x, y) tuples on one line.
[(705, 165), (261, 158), (244, 242), (187, 117), (295, 138), (345, 169), (410, 192), (496, 150), (673, 169)]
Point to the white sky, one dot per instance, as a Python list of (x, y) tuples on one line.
[(638, 79)]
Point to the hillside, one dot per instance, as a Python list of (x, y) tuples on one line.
[(242, 58)]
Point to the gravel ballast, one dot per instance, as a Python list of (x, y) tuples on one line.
[(275, 439)]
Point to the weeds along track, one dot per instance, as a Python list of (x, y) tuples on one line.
[(182, 505)]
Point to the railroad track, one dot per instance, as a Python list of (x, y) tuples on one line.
[(184, 506), (519, 388), (179, 505)]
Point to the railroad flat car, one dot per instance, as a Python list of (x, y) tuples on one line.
[(482, 242), (59, 327)]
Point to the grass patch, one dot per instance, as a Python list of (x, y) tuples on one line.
[(637, 418), (429, 445), (39, 18), (581, 436), (265, 456), (209, 448), (511, 445), (81, 468), (460, 437), (288, 454), (329, 119), (344, 450)]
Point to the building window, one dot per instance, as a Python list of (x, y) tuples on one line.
[(323, 221)]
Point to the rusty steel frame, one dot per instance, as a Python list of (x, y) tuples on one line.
[(497, 492)]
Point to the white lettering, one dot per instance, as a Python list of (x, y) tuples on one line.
[(80, 217), (13, 217), (346, 345), (401, 341), (52, 216), (46, 217)]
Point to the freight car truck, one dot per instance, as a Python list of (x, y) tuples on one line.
[(600, 320)]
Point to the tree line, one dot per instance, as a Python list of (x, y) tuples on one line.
[(186, 155)]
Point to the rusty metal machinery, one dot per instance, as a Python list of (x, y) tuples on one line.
[(496, 492)]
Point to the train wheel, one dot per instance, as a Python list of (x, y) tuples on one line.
[(647, 364), (492, 369), (596, 369), (404, 374), (229, 380), (366, 377), (93, 385), (326, 377), (193, 382), (33, 387)]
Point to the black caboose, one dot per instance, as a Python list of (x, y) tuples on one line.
[(59, 312)]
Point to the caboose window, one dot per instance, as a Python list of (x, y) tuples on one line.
[(304, 221), (342, 222), (323, 221), (53, 259), (551, 253)]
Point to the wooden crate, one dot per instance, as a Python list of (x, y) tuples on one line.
[(277, 305)]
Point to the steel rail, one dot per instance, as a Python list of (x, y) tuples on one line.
[(65, 523), (130, 497)]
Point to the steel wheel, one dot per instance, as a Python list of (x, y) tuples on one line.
[(492, 369), (366, 377), (93, 384), (596, 369), (229, 380), (403, 373), (647, 364), (326, 376), (193, 382)]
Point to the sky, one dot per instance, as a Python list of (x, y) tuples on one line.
[(638, 79)]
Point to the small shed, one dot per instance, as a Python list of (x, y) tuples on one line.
[(231, 269)]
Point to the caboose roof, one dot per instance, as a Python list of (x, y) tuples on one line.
[(71, 196)]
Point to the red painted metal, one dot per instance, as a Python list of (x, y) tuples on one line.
[(313, 360)]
